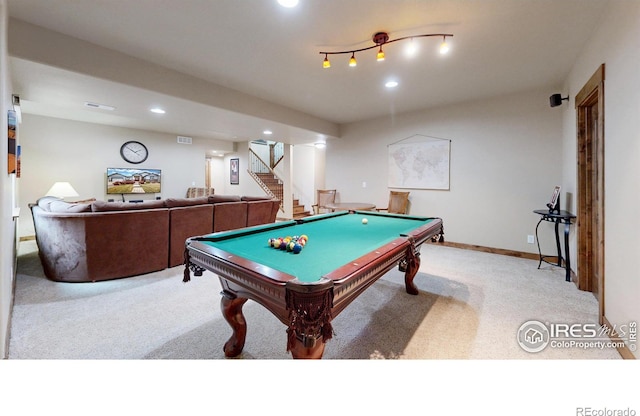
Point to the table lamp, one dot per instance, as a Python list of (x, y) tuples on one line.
[(62, 190)]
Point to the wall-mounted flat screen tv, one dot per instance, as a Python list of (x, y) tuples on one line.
[(133, 181)]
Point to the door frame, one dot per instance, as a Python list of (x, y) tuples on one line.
[(590, 172)]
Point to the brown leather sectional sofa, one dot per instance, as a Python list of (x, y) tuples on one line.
[(89, 242)]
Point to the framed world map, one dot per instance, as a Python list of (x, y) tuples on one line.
[(419, 162)]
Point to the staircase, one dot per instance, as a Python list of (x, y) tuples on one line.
[(264, 175), (299, 211)]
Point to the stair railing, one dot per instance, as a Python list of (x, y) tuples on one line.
[(258, 169), (276, 154)]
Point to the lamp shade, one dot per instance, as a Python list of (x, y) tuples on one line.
[(62, 190)]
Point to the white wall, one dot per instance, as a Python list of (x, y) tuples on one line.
[(505, 162), (217, 173), (61, 150), (7, 228), (616, 43), (304, 174)]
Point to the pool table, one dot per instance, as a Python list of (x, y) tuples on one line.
[(342, 257)]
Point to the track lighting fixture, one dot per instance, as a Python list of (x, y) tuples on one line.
[(379, 39)]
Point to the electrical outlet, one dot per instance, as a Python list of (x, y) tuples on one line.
[(530, 239)]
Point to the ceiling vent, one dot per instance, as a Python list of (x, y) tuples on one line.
[(184, 140), (99, 106)]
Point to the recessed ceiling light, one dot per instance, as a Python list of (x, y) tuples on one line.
[(288, 3), (267, 132), (157, 110), (391, 84)]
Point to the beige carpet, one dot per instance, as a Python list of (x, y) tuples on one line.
[(470, 306)]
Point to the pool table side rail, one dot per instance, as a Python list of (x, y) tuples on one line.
[(244, 278), (354, 278)]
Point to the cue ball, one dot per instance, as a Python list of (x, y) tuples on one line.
[(364, 220)]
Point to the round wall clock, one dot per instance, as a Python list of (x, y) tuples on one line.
[(134, 152)]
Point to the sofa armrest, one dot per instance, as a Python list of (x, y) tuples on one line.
[(89, 246)]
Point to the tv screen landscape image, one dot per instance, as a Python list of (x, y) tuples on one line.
[(133, 181)]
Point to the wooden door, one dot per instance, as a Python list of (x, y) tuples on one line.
[(590, 132)]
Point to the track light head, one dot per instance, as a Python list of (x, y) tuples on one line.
[(326, 63)]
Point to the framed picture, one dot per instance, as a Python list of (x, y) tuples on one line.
[(553, 204), (235, 171), (12, 151)]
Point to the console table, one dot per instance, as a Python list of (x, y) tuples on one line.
[(557, 217)]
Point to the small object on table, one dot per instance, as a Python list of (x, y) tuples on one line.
[(365, 221)]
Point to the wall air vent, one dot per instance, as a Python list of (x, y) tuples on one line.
[(184, 140), (99, 106)]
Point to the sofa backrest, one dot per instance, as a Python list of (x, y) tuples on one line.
[(229, 216), (185, 222), (261, 211)]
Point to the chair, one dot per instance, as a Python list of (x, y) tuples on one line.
[(324, 198), (398, 203), (198, 192)]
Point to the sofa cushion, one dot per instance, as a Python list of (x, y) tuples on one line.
[(214, 199), (101, 206), (46, 201), (256, 198), (67, 207), (186, 202)]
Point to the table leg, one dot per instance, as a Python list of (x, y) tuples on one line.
[(410, 266), (313, 350), (567, 262), (309, 321), (232, 311), (538, 242), (557, 223)]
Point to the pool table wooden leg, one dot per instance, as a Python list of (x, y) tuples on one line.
[(232, 311), (309, 319), (315, 351), (410, 266)]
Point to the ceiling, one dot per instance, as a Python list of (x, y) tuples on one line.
[(267, 57)]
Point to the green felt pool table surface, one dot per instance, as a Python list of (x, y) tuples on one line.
[(333, 240)]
